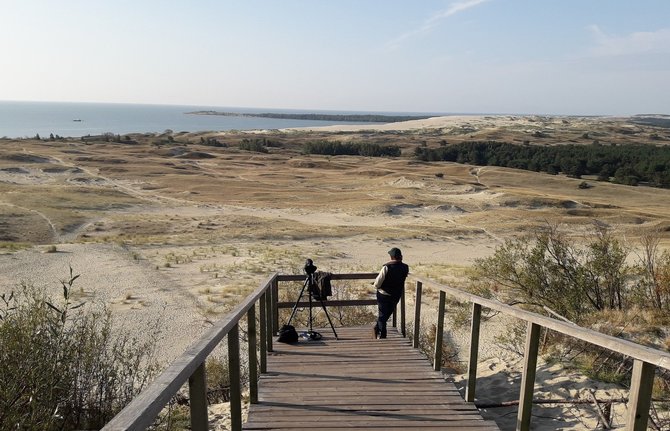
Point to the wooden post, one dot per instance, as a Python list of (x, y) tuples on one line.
[(253, 355), (474, 350), (268, 320), (439, 333), (417, 315), (197, 390), (639, 399), (234, 375), (275, 309), (262, 333), (528, 377), (402, 314)]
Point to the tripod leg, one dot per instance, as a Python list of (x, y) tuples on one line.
[(295, 307), (310, 310), (328, 317)]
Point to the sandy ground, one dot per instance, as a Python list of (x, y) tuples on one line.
[(140, 295), (184, 240)]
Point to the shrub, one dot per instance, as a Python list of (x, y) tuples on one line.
[(548, 270), (255, 145), (62, 366)]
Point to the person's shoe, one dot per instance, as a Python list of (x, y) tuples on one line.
[(375, 332), (382, 334)]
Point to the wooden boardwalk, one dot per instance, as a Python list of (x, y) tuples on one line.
[(360, 383)]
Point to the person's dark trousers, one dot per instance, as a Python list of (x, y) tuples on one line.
[(386, 304)]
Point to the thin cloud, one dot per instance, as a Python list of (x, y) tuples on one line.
[(642, 42), (433, 21)]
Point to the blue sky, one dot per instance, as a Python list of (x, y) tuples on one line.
[(606, 57)]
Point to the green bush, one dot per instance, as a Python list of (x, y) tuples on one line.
[(63, 368), (252, 145)]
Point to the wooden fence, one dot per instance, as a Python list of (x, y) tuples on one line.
[(142, 411), (190, 366), (645, 359)]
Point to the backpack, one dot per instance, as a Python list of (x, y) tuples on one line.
[(287, 334)]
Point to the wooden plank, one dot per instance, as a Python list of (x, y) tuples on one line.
[(234, 375), (329, 303), (143, 409), (342, 384), (253, 356), (197, 390), (528, 377), (625, 347), (417, 314), (474, 350), (262, 333), (439, 333), (403, 321), (641, 386)]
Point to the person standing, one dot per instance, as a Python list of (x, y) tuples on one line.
[(390, 284)]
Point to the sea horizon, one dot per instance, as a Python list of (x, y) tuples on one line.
[(26, 119)]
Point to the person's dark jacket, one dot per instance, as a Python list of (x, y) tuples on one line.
[(394, 282)]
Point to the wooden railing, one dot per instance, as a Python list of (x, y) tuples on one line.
[(142, 411), (645, 359)]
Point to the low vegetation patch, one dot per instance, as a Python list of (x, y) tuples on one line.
[(63, 367), (366, 149), (624, 164)]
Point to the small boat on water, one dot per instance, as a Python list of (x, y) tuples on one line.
[(77, 120)]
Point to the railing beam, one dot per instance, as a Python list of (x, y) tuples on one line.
[(275, 309), (474, 351), (262, 331), (253, 355), (197, 390), (402, 314), (639, 399), (528, 376), (439, 333), (268, 319), (234, 375), (417, 315)]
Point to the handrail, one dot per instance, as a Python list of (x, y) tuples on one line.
[(645, 358), (141, 412), (143, 409), (628, 348)]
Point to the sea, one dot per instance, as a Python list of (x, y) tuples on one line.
[(71, 119)]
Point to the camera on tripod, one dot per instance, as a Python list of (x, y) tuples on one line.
[(314, 293), (309, 267)]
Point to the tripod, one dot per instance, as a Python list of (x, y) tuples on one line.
[(309, 284)]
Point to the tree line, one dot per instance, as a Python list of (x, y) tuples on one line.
[(624, 164), (366, 149)]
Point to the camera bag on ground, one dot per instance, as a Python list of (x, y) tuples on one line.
[(287, 334)]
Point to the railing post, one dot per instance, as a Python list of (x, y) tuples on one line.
[(639, 398), (262, 315), (197, 390), (402, 314), (234, 375), (528, 376), (275, 309), (394, 321), (474, 350), (417, 315), (268, 319), (253, 355), (439, 331)]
